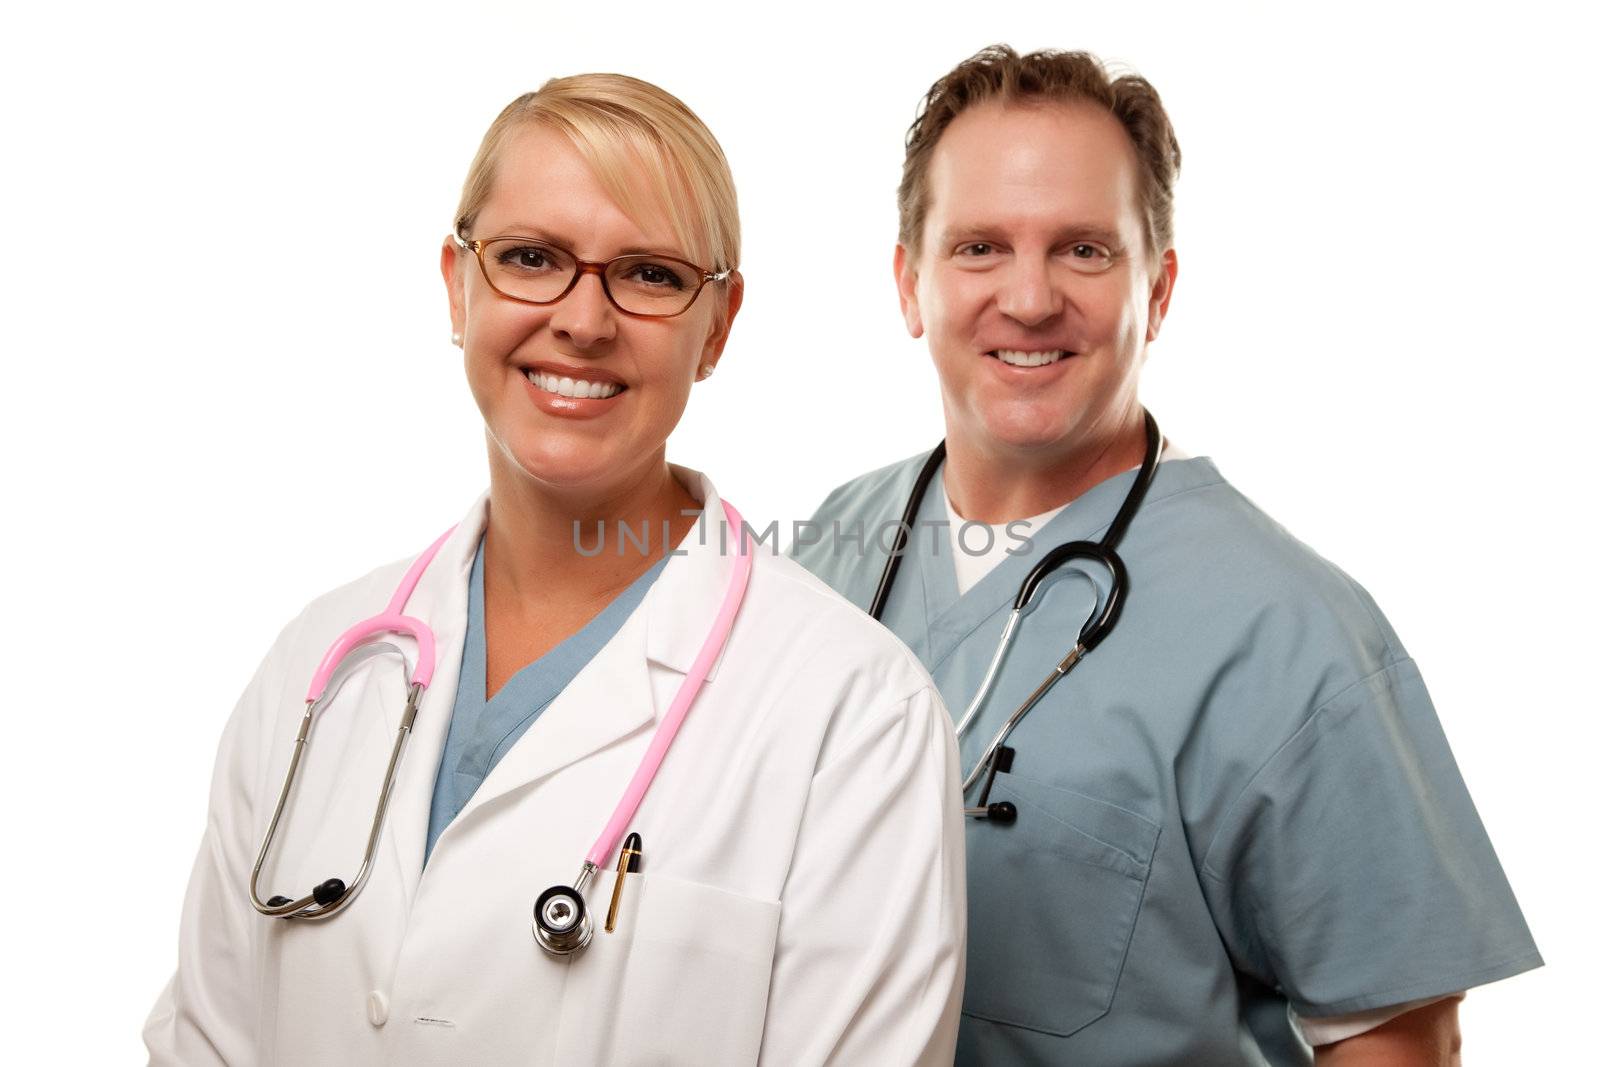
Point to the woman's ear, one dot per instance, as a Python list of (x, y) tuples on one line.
[(718, 338), (450, 265)]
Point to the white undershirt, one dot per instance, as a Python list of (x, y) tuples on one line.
[(977, 548)]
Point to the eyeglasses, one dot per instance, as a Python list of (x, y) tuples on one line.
[(537, 272)]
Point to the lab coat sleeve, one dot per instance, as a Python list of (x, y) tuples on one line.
[(871, 944), (207, 1013)]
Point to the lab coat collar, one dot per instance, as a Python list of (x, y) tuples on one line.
[(684, 601), (608, 700)]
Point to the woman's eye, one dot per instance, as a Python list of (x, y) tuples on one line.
[(527, 259), (656, 276)]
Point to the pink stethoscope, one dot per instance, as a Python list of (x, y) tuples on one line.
[(561, 920)]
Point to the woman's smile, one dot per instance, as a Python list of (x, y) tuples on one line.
[(572, 391)]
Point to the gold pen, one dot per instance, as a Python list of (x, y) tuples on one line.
[(627, 863)]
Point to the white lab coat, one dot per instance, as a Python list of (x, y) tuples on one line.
[(802, 898)]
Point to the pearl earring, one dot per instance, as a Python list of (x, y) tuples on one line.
[(455, 338), (706, 369)]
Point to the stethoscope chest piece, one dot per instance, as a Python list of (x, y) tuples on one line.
[(561, 922)]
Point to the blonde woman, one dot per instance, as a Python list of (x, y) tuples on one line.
[(669, 801)]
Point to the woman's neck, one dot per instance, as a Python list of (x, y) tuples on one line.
[(540, 548)]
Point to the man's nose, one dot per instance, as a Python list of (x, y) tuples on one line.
[(585, 316), (1028, 294)]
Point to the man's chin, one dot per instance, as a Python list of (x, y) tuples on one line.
[(1034, 431)]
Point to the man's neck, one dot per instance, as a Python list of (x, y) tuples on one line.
[(996, 485)]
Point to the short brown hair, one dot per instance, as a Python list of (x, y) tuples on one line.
[(999, 73)]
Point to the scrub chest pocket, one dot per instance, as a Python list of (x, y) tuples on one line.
[(1051, 908)]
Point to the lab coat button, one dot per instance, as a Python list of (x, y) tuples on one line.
[(377, 1008)]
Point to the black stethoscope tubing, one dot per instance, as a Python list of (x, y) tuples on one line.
[(996, 757)]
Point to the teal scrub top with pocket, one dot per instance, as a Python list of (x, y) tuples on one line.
[(1240, 803)]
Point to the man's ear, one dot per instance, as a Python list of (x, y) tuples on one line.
[(905, 280), (1161, 293), (450, 265)]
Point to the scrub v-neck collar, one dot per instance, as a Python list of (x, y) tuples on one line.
[(952, 617)]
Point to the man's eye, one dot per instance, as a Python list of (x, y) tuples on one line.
[(975, 249), (1089, 257)]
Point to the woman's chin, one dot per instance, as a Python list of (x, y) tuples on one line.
[(582, 471)]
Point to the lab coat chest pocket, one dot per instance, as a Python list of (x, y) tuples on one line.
[(1052, 906), (682, 980)]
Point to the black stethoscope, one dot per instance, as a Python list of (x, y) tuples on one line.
[(997, 756)]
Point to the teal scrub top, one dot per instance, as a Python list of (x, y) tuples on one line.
[(483, 731), (1241, 802)]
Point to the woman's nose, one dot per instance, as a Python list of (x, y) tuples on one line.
[(585, 316)]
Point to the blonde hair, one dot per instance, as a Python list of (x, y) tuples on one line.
[(642, 143)]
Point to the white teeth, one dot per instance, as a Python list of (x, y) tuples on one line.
[(577, 389), (1028, 359)]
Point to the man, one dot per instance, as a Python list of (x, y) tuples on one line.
[(1237, 831)]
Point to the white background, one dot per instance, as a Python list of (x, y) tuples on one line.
[(230, 386)]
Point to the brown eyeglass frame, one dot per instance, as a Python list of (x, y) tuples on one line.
[(476, 247)]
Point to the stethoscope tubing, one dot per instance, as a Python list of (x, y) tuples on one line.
[(1094, 630), (562, 923), (350, 648), (989, 675), (688, 689), (1061, 670), (354, 646), (392, 619)]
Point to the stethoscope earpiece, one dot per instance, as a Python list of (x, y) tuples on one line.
[(1002, 813), (328, 892)]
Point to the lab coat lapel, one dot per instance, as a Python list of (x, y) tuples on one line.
[(608, 700), (689, 593), (440, 600), (612, 697)]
